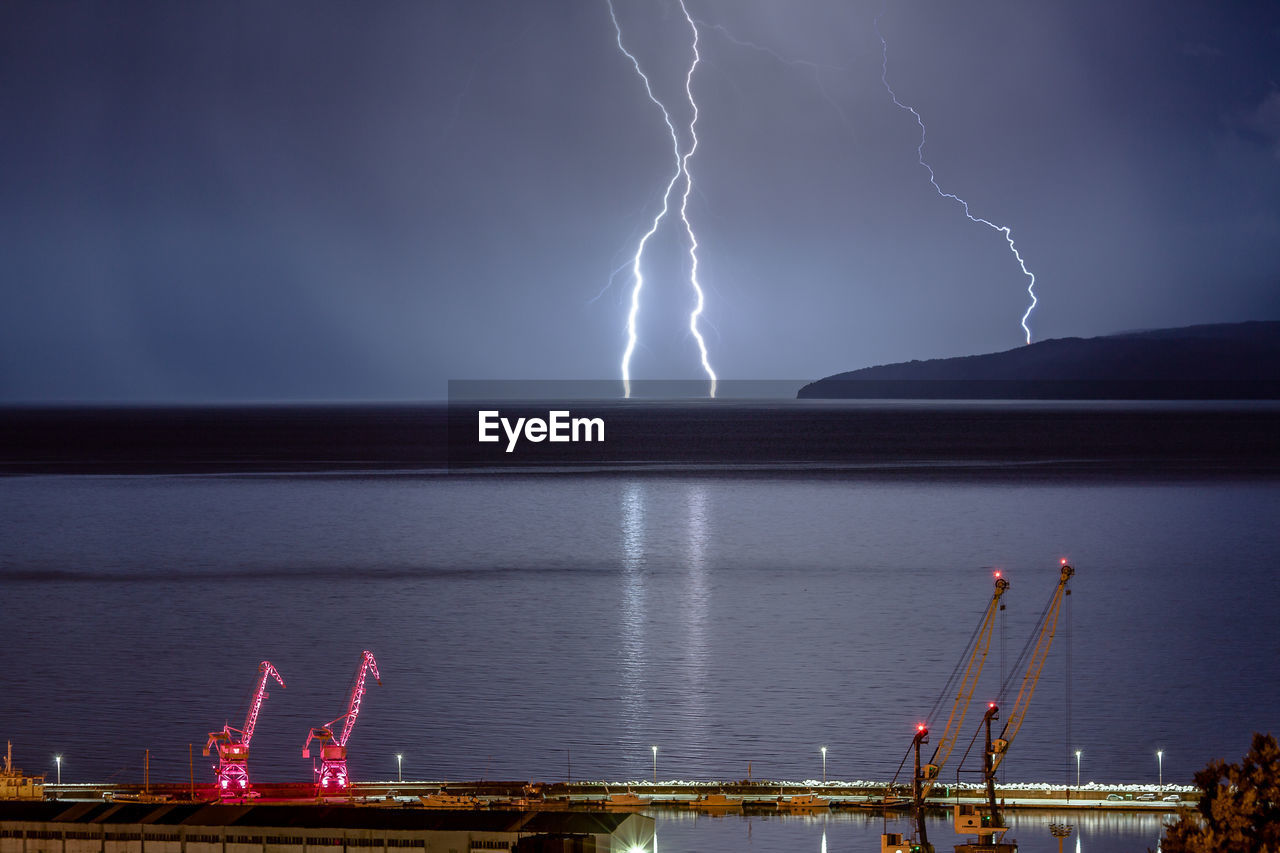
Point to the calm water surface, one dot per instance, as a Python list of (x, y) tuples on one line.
[(544, 627), (861, 834)]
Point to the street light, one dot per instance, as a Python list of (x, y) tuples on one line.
[(655, 764), (1077, 769), (399, 774), (824, 765), (57, 759), (1160, 759), (1060, 831)]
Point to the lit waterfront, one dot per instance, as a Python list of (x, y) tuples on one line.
[(558, 628)]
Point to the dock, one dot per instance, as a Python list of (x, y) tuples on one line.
[(751, 796)]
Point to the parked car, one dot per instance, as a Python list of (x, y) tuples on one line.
[(1114, 797), (1147, 797), (1173, 798)]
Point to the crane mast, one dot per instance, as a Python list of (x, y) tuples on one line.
[(896, 842), (332, 773), (987, 826), (964, 694), (233, 744)]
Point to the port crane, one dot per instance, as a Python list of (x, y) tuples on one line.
[(332, 774), (232, 744), (924, 776), (989, 825), (981, 644)]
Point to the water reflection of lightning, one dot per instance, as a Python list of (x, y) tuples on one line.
[(1008, 235), (681, 163), (696, 601), (634, 650)]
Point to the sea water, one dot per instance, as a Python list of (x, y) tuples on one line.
[(549, 627)]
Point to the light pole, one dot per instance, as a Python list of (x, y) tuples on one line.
[(57, 759), (1077, 770), (1160, 759), (399, 774), (655, 764), (824, 765), (1060, 831)]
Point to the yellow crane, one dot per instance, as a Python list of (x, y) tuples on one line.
[(964, 693), (924, 775), (989, 826)]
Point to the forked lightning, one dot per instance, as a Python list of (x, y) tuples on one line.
[(1004, 229), (680, 169)]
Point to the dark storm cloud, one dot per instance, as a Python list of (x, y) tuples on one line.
[(281, 201), (1266, 119)]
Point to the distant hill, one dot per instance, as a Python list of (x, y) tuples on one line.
[(1224, 361)]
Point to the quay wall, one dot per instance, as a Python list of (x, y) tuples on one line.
[(857, 794)]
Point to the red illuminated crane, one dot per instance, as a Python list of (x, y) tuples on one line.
[(233, 744), (332, 775)]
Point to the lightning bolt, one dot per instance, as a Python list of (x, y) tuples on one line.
[(681, 168), (1004, 229), (636, 275), (817, 68), (609, 282), (684, 203)]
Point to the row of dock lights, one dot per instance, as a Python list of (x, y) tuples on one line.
[(821, 749), (400, 766), (1159, 766)]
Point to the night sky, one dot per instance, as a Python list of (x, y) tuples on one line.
[(217, 201)]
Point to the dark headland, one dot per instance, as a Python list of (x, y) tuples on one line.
[(1226, 361)]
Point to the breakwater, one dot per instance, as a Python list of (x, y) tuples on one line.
[(763, 795)]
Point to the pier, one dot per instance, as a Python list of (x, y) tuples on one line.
[(757, 796)]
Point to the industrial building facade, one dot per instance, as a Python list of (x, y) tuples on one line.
[(90, 827)]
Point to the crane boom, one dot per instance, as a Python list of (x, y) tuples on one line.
[(251, 719), (367, 665), (1048, 627), (977, 658)]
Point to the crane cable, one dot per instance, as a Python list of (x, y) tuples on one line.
[(1032, 641), (948, 688)]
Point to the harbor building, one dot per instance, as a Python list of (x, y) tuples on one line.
[(106, 827)]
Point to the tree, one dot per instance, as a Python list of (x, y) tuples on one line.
[(1239, 811)]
